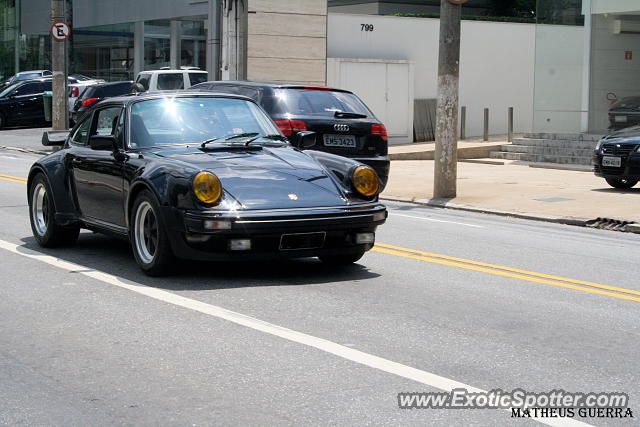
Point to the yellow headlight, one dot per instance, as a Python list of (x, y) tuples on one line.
[(365, 180), (207, 187)]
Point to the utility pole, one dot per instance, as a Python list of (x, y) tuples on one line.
[(59, 35), (446, 153)]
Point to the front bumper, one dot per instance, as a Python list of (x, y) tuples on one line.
[(191, 238), (630, 166)]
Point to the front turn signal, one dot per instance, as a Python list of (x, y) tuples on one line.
[(207, 187), (365, 181)]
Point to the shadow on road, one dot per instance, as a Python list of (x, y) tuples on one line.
[(101, 253), (617, 190)]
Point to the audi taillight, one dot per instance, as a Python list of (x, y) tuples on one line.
[(74, 92), (89, 102), (288, 127), (379, 130)]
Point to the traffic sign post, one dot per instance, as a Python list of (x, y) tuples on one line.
[(60, 32)]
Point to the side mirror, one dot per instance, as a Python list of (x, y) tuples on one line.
[(103, 143), (304, 139), (54, 137)]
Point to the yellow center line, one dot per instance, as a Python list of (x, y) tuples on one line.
[(507, 272), (514, 270), (13, 179)]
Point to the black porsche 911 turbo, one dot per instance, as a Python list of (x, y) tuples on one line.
[(201, 176)]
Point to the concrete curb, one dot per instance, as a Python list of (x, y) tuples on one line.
[(566, 220), (633, 228), (25, 150)]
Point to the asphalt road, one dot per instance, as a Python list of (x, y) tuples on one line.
[(446, 299)]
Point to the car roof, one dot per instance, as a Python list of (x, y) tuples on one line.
[(172, 71), (133, 98), (274, 85), (31, 71)]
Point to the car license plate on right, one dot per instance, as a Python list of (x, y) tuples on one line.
[(348, 141), (615, 162), (620, 119)]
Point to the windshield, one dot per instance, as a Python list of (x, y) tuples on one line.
[(180, 120), (313, 102)]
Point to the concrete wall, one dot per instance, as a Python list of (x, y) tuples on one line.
[(560, 71), (496, 70), (287, 41)]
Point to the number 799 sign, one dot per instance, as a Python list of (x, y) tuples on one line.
[(60, 31)]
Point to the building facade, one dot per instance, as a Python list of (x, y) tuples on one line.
[(115, 39), (587, 57)]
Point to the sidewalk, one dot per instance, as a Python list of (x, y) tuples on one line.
[(520, 190)]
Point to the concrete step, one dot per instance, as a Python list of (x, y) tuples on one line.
[(565, 136), (583, 145), (507, 155), (542, 158), (551, 151)]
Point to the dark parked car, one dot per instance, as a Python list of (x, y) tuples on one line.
[(617, 158), (625, 113), (21, 103), (344, 124), (95, 93), (205, 177)]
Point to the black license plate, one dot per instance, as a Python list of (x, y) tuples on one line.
[(302, 241)]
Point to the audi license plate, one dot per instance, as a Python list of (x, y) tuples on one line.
[(340, 141), (302, 241), (616, 162)]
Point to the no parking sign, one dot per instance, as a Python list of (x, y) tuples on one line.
[(60, 31)]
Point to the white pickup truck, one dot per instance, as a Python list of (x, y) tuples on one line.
[(158, 80)]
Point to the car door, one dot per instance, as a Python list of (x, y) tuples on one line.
[(98, 174), (28, 99)]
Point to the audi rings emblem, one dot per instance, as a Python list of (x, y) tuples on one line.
[(341, 128)]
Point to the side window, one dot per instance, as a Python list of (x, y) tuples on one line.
[(82, 132), (196, 78), (29, 89), (107, 121), (170, 81), (143, 79)]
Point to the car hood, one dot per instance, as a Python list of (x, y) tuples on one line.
[(266, 177), (628, 135)]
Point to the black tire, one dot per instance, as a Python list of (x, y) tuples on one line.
[(622, 183), (149, 240), (3, 121), (47, 232), (338, 260)]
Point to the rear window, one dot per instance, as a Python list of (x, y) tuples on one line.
[(313, 102), (114, 90), (196, 78), (170, 81)]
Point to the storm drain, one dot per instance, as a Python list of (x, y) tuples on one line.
[(608, 224)]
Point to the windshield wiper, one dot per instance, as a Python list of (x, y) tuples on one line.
[(350, 115), (273, 136), (228, 137)]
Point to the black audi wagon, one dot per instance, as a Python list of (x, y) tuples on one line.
[(344, 124)]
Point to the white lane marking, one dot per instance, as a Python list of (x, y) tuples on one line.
[(436, 220), (327, 346)]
